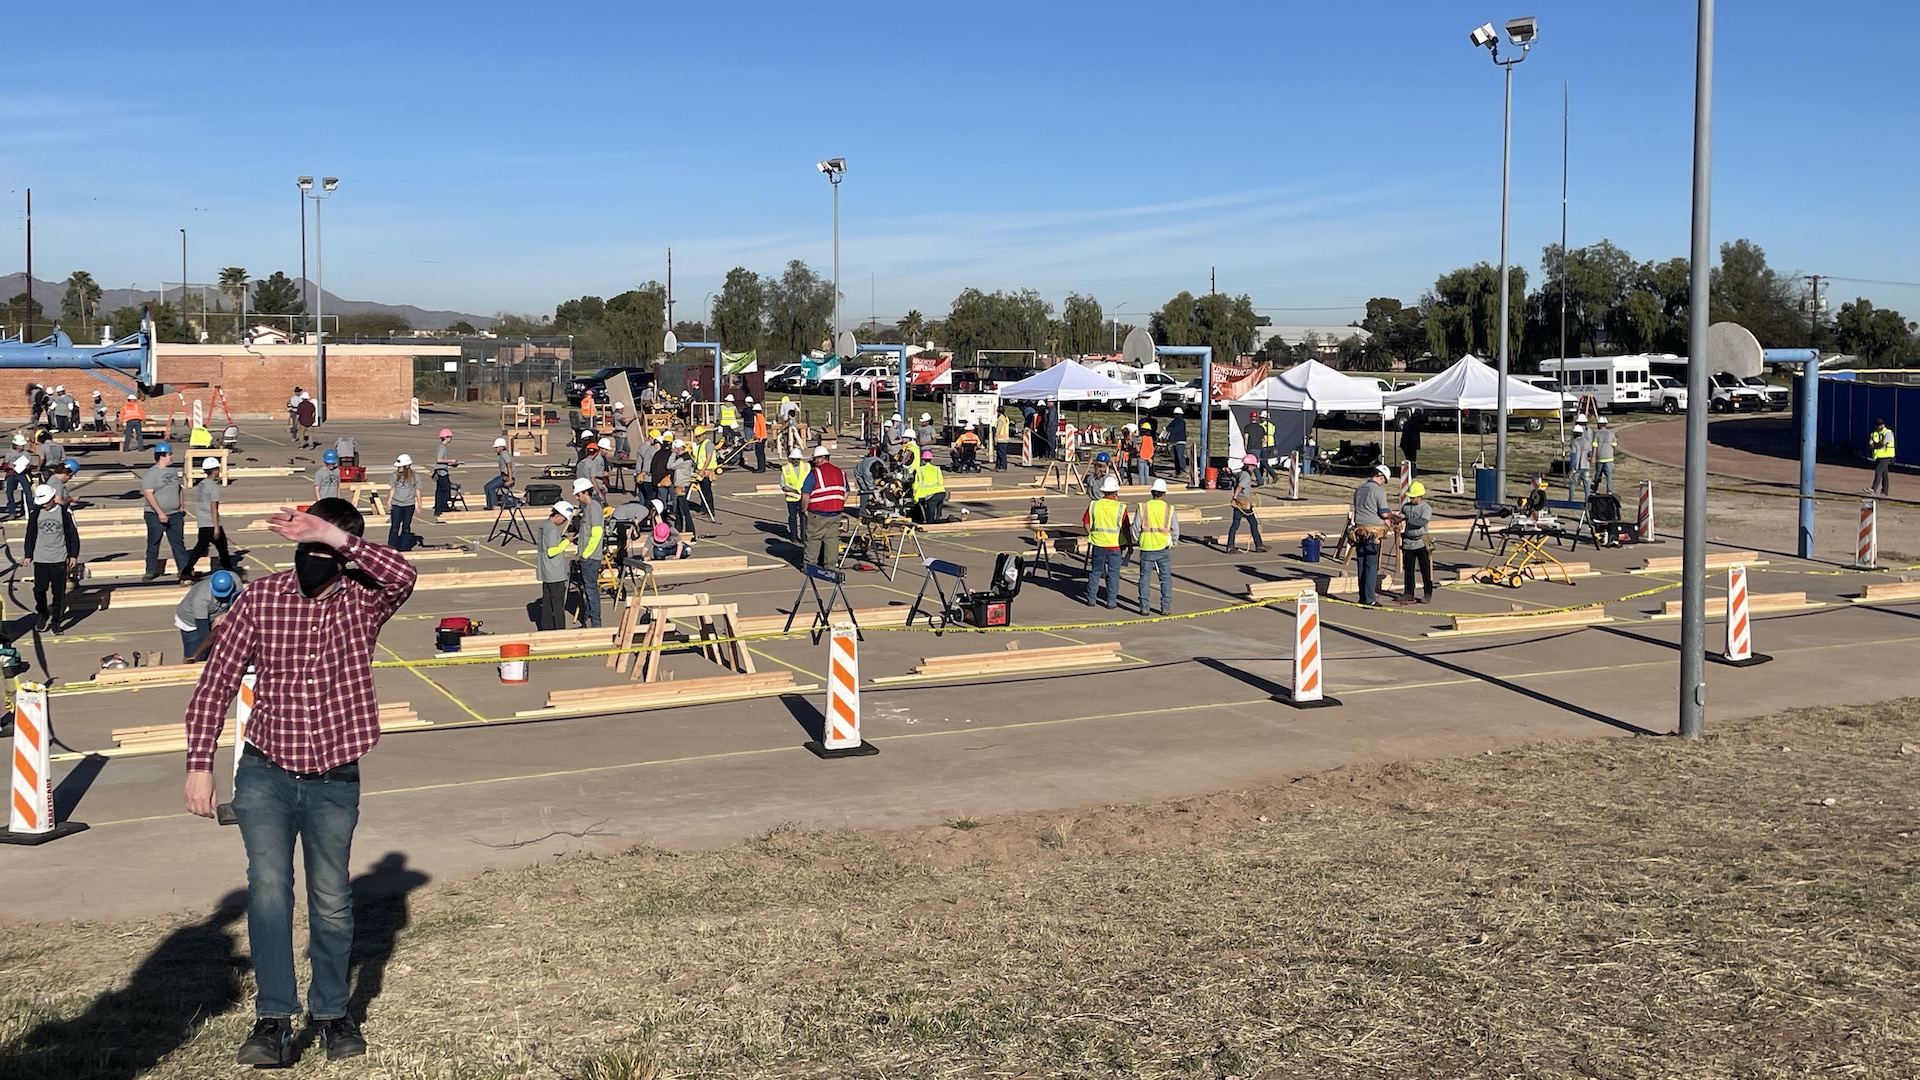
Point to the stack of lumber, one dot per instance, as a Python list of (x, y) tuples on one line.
[(1887, 592), (752, 625), (1525, 620), (1756, 603), (1287, 589), (1012, 660), (1716, 560), (635, 697), (172, 738), (152, 675)]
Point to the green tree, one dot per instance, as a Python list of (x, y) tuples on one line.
[(82, 300), (996, 320), (20, 312), (462, 327), (1878, 336), (635, 325), (1748, 291), (369, 324), (277, 295), (505, 323), (1398, 333), (913, 328), (579, 316), (1463, 312), (740, 311), (799, 313), (1083, 326)]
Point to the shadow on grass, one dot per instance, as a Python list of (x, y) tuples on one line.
[(195, 974), (380, 912)]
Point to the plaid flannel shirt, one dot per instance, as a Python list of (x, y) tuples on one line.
[(314, 702)]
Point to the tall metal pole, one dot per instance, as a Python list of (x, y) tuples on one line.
[(183, 275), (1500, 402), (27, 333), (835, 178), (319, 322), (1564, 114), (1693, 594), (306, 301)]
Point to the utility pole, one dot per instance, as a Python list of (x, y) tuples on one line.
[(1693, 557), (27, 334), (669, 288), (1213, 280), (1813, 312)]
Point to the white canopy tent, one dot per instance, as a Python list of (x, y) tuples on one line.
[(1300, 395), (1067, 381), (1471, 384)]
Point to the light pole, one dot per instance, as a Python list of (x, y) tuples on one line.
[(183, 276), (835, 168), (303, 183), (1521, 32), (327, 186), (1116, 325), (1693, 527)]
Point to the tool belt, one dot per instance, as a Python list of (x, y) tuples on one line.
[(1365, 534)]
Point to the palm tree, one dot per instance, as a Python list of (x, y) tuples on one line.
[(82, 301), (911, 326), (233, 285)]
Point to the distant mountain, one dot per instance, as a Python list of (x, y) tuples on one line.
[(48, 294)]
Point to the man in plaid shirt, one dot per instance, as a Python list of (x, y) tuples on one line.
[(308, 633)]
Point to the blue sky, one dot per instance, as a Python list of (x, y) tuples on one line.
[(509, 156)]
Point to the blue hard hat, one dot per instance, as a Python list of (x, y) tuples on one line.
[(72, 465), (1102, 457), (162, 448), (224, 583), (331, 457)]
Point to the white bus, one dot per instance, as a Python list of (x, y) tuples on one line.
[(1615, 382)]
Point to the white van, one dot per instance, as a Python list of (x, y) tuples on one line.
[(1615, 382)]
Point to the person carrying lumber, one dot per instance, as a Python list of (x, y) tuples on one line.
[(19, 481), (793, 477), (160, 489), (1242, 502), (501, 485), (1370, 520), (1156, 529), (202, 610), (823, 494), (326, 478), (1415, 552), (1880, 445), (1108, 527), (593, 552), (551, 566), (930, 490), (308, 633), (53, 548), (212, 533), (132, 415)]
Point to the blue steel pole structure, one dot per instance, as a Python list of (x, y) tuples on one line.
[(1807, 418), (1205, 353), (1693, 560)]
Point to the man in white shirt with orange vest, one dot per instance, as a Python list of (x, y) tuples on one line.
[(1157, 528), (823, 496)]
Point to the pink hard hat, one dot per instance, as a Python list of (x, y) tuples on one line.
[(446, 433), (1249, 460)]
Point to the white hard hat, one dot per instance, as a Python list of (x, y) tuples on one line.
[(729, 397), (679, 444), (42, 494), (1382, 470), (499, 442), (1578, 428), (209, 464), (1159, 487), (19, 440), (658, 505), (564, 509), (1111, 483), (59, 389), (795, 455), (619, 405), (403, 461), (1130, 427), (130, 397), (1178, 411), (1603, 420), (582, 485), (924, 417), (821, 450), (896, 417)]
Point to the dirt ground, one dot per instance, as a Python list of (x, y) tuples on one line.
[(1628, 908)]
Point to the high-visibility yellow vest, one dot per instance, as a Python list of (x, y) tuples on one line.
[(910, 450), (1882, 443), (200, 438), (729, 416), (1104, 530), (704, 457), (792, 475), (1156, 525), (928, 480)]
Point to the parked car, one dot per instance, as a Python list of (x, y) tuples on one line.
[(999, 375), (578, 387), (1669, 394), (1777, 396), (789, 378), (1569, 403), (871, 380), (1367, 419), (1730, 394)]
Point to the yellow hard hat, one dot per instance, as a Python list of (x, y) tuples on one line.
[(699, 431), (1416, 490)]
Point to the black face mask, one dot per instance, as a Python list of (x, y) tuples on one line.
[(316, 566)]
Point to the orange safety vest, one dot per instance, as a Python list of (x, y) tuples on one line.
[(132, 411), (759, 425)]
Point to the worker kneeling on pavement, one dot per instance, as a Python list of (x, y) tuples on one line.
[(199, 613), (930, 490)]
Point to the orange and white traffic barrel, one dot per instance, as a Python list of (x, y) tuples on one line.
[(840, 730), (30, 817), (1867, 554), (1308, 691), (1645, 518), (1739, 627)]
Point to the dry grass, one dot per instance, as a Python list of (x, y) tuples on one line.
[(1614, 909)]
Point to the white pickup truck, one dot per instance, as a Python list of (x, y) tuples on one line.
[(1732, 395), (1667, 393)]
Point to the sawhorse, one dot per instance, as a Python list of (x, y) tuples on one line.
[(811, 578), (936, 570)]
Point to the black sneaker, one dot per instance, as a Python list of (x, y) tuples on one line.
[(341, 1037), (270, 1045), (42, 625)]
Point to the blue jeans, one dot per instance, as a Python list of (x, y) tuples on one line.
[(399, 524), (132, 438), (1180, 460), (1603, 474), (442, 493), (1366, 563), (794, 519), (191, 640), (1577, 486), (175, 531), (19, 493), (1143, 471), (590, 592), (273, 807), (1103, 562), (1161, 563), (1253, 523), (494, 489)]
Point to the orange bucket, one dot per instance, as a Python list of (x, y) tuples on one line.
[(513, 661), (1213, 478)]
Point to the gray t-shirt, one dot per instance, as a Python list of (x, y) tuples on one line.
[(591, 467), (164, 482), (406, 491), (206, 494), (59, 487), (326, 483), (505, 461), (200, 603), (551, 568), (680, 469), (1413, 535), (50, 452), (1603, 444), (1579, 450), (1243, 485), (442, 458), (50, 537), (1369, 504)]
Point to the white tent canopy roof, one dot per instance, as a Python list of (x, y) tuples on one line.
[(1067, 381), (1313, 386), (1471, 384)]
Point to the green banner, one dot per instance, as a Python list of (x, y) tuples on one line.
[(738, 363)]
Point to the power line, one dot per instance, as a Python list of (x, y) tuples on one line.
[(1874, 281)]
